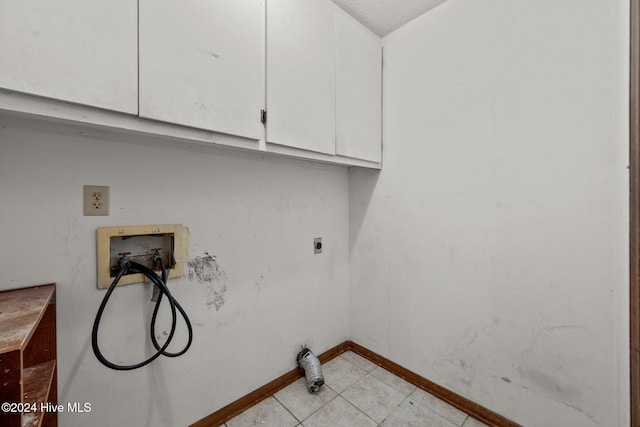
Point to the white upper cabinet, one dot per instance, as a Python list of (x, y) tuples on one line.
[(200, 70), (301, 74), (323, 80), (202, 64), (358, 90), (84, 52)]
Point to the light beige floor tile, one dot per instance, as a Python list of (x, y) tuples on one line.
[(404, 387), (472, 422), (339, 413), (441, 408), (267, 413), (359, 361), (340, 374), (373, 397), (409, 414), (297, 399)]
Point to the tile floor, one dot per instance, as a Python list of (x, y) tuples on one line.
[(356, 393)]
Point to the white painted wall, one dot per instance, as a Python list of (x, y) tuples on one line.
[(490, 254), (257, 215)]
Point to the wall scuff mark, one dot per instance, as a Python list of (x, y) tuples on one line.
[(260, 284), (209, 53), (205, 269)]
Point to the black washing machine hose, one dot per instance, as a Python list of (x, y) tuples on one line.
[(160, 283)]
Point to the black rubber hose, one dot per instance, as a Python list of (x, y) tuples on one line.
[(182, 313), (96, 324)]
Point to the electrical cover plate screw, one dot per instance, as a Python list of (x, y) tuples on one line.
[(96, 200)]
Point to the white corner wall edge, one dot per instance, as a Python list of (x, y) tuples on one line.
[(505, 189)]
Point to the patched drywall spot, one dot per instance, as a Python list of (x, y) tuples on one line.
[(205, 269)]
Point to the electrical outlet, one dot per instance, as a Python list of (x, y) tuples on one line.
[(96, 200)]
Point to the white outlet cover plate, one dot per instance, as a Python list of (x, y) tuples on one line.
[(96, 200)]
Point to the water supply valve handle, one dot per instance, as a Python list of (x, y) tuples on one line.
[(157, 259), (123, 257), (156, 256)]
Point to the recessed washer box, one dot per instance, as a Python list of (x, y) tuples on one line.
[(140, 243)]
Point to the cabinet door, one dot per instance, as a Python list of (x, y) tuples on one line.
[(79, 51), (202, 64), (358, 90), (301, 74)]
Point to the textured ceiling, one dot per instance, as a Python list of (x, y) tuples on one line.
[(384, 16)]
